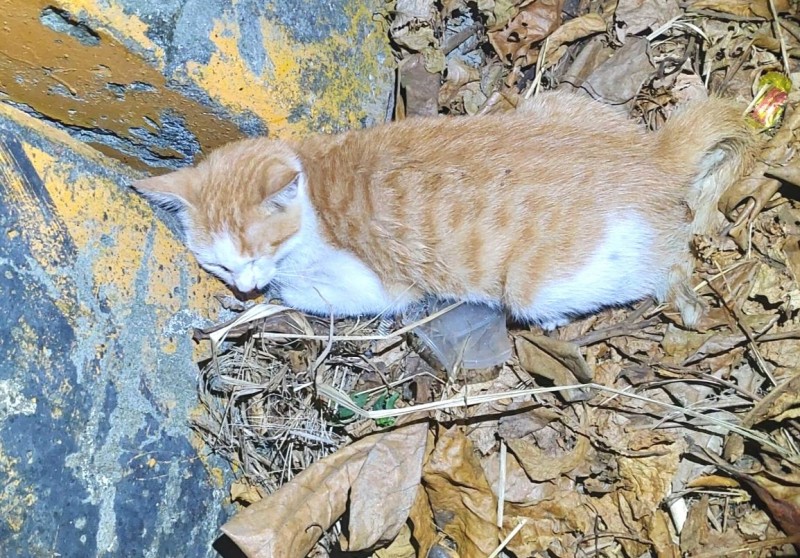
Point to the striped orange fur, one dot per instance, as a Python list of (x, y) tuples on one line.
[(557, 209)]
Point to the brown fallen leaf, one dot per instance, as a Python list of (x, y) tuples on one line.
[(542, 466), (533, 23), (423, 527), (791, 251), (401, 547), (463, 504), (618, 79), (559, 361), (785, 513), (459, 74), (661, 535), (712, 481), (589, 58), (647, 480), (497, 12), (694, 534), (571, 31), (377, 476), (771, 284), (743, 8), (757, 188), (639, 15), (245, 493), (413, 28), (679, 344), (782, 403), (517, 486), (555, 526), (523, 419)]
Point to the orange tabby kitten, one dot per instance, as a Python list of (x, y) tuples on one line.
[(553, 211)]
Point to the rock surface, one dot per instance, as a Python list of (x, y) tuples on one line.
[(97, 365)]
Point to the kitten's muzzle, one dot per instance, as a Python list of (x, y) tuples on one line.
[(253, 278)]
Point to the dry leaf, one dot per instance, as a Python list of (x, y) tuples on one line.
[(639, 15), (413, 28), (556, 360), (422, 525), (459, 74), (618, 79), (778, 152), (401, 546), (519, 424), (754, 524), (594, 53), (695, 531), (782, 403), (554, 525), (661, 535), (533, 23), (541, 465), (571, 31), (244, 492), (679, 343), (743, 8), (497, 12), (785, 511), (647, 480), (771, 284), (382, 471), (463, 504), (518, 487), (449, 6), (791, 251)]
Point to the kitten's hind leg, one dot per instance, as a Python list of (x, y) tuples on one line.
[(550, 325), (689, 304)]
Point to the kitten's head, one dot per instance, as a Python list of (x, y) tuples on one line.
[(240, 207)]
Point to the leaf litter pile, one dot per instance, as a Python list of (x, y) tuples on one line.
[(622, 434)]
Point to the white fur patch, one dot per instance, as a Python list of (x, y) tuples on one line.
[(224, 260), (617, 274), (317, 278), (331, 281)]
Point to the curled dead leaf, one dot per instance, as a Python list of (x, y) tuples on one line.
[(543, 466), (781, 404), (459, 74), (618, 79), (497, 12), (742, 8), (463, 504), (639, 15), (556, 360), (413, 29), (533, 23), (694, 534), (377, 476), (571, 31), (244, 492)]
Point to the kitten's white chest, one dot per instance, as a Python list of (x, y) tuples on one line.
[(323, 280)]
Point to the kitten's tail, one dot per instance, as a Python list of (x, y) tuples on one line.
[(714, 138)]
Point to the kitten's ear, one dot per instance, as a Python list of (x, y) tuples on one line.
[(171, 191), (284, 181)]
